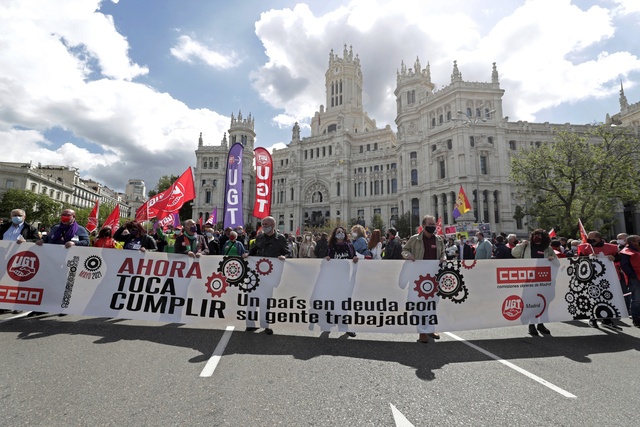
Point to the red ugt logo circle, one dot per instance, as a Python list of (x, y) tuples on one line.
[(512, 307), (23, 266)]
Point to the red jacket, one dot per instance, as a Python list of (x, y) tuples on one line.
[(630, 263), (586, 249)]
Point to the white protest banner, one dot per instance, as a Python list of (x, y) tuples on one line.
[(314, 294)]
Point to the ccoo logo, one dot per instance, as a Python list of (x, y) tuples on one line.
[(23, 266)]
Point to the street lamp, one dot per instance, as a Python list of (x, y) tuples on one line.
[(471, 121)]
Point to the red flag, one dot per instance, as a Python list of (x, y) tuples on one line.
[(93, 218), (298, 231), (439, 231), (113, 220), (583, 234), (180, 192), (142, 213), (264, 175), (552, 233), (200, 222)]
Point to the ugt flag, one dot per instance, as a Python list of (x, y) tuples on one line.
[(233, 188), (462, 204), (113, 220), (264, 177)]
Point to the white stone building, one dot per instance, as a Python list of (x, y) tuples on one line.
[(349, 168)]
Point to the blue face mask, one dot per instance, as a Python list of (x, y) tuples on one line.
[(17, 220)]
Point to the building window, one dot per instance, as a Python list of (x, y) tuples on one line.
[(472, 140), (414, 176), (362, 149), (411, 97), (449, 144), (469, 112), (441, 119), (332, 128), (434, 147), (292, 195), (490, 140), (368, 147), (413, 155), (483, 165), (415, 208), (376, 187), (34, 187), (448, 116), (9, 183), (394, 185), (329, 150), (338, 189), (443, 169), (433, 122), (324, 151), (512, 145), (375, 146), (216, 163)]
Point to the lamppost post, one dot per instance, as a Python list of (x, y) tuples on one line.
[(471, 121)]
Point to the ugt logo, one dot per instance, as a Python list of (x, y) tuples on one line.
[(23, 266), (175, 198), (512, 307)]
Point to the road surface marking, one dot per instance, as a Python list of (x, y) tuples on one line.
[(399, 418), (210, 367), (514, 367)]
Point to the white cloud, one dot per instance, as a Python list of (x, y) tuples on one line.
[(129, 129), (548, 52), (188, 49)]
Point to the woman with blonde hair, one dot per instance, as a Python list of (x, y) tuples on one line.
[(307, 247), (358, 239)]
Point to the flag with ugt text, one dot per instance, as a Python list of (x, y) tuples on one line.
[(180, 192), (213, 218), (264, 177), (93, 217), (233, 188), (462, 204), (173, 219), (113, 220)]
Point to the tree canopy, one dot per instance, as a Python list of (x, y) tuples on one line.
[(39, 208), (578, 176)]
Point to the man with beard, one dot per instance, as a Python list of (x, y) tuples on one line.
[(538, 247)]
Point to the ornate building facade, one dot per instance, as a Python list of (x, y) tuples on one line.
[(349, 168)]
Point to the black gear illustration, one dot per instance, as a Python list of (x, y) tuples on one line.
[(607, 295), (451, 265), (584, 270), (264, 266), (604, 310), (575, 286), (449, 283), (250, 281), (93, 263), (426, 286), (216, 284), (570, 298), (234, 269), (461, 296), (572, 310), (604, 284), (583, 303), (594, 291), (570, 270)]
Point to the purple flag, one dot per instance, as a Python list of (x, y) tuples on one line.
[(213, 218), (233, 188), (174, 219)]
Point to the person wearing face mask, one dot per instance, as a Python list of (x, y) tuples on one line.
[(422, 246), (307, 247), (322, 246), (233, 247), (104, 239), (359, 241), (18, 230), (135, 237), (68, 232), (190, 242), (270, 244), (539, 247), (393, 249), (213, 245), (630, 266)]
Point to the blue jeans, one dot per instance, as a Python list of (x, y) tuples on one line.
[(634, 287)]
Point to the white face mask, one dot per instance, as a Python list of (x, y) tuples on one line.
[(354, 235), (308, 237), (621, 242)]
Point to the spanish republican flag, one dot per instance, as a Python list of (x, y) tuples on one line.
[(462, 204)]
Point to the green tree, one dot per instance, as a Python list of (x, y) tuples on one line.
[(407, 225), (39, 208), (164, 183), (578, 176), (377, 222)]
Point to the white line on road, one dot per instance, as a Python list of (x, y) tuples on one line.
[(210, 367), (399, 418), (514, 367)]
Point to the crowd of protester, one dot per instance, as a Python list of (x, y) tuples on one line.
[(353, 243)]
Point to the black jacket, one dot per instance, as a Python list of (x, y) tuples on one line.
[(29, 232), (146, 241), (270, 247), (393, 249)]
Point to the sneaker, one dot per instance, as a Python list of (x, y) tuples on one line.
[(268, 331), (543, 329), (532, 331), (351, 334), (593, 323)]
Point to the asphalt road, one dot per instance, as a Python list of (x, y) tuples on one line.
[(86, 371)]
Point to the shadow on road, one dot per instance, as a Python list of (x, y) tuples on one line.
[(424, 358)]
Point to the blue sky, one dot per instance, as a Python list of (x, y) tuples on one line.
[(122, 89)]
